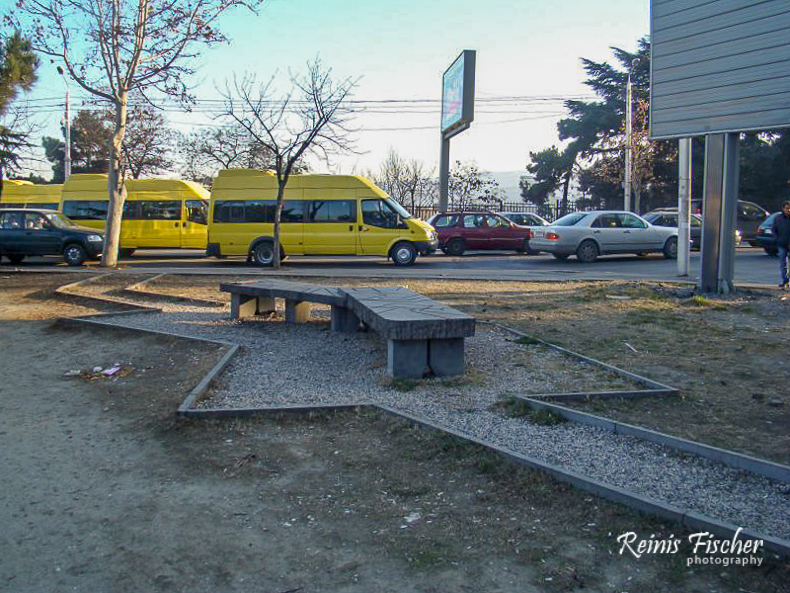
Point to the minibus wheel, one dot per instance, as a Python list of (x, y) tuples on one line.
[(263, 253), (403, 254)]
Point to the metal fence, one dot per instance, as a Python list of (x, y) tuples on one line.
[(549, 211)]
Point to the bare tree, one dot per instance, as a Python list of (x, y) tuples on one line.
[(311, 118), (469, 185), (203, 152), (407, 182), (148, 142), (16, 146), (114, 48)]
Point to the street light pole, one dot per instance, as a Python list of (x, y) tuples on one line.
[(627, 180), (67, 157)]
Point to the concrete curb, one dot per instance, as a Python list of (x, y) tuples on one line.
[(761, 467), (688, 519), (137, 289), (653, 387)]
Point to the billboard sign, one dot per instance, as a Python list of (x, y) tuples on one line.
[(718, 67), (458, 94)]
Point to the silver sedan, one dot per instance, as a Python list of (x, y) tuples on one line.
[(590, 234)]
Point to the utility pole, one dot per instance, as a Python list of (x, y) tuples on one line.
[(684, 204), (627, 180), (67, 154), (629, 101)]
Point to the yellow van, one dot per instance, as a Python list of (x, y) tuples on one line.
[(158, 213), (24, 194), (321, 215)]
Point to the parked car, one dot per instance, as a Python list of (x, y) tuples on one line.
[(590, 234), (527, 219), (25, 232), (765, 236), (669, 218), (462, 231), (750, 215)]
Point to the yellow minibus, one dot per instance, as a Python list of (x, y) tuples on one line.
[(158, 213), (321, 215), (24, 194)]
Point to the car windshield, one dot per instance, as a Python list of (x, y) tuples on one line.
[(402, 212), (59, 221), (570, 219)]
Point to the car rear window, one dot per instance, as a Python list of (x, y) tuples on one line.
[(570, 219)]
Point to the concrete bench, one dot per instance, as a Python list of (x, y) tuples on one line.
[(422, 334), (256, 298)]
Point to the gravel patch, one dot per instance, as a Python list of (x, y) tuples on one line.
[(281, 365)]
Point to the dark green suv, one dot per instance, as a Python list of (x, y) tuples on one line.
[(25, 232)]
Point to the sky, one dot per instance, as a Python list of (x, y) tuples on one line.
[(528, 61)]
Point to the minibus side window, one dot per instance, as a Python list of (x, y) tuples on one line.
[(333, 211), (131, 210), (197, 211), (293, 211), (86, 209), (259, 211), (378, 213), (160, 210)]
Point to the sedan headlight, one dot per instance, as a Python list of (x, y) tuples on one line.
[(95, 238)]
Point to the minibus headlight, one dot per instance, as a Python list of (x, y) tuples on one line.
[(95, 238)]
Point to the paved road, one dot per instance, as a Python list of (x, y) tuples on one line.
[(752, 266)]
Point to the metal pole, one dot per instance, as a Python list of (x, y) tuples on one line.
[(684, 205), (444, 174), (67, 157), (627, 181)]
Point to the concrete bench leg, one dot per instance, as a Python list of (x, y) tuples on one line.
[(242, 305), (407, 358), (266, 305), (297, 311), (446, 356), (343, 320)]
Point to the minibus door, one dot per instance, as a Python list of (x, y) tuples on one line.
[(194, 224), (331, 227), (378, 226)]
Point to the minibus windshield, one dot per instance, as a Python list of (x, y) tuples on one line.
[(402, 212)]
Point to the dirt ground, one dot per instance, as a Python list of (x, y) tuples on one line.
[(105, 490)]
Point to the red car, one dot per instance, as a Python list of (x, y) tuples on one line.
[(462, 231)]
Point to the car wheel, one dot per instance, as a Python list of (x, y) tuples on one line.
[(671, 248), (587, 252), (74, 254), (125, 252), (403, 254), (455, 247), (263, 253), (525, 248), (15, 259), (772, 251), (560, 256)]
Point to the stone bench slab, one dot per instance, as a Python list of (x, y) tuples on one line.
[(400, 314), (294, 291)]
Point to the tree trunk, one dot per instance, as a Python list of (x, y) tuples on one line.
[(278, 210), (565, 187), (116, 187), (637, 194)]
